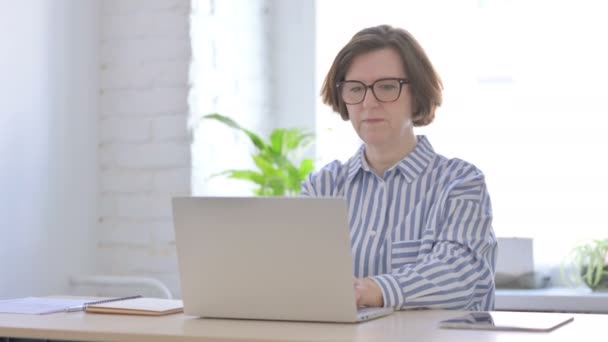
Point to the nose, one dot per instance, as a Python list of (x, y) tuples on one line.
[(369, 100)]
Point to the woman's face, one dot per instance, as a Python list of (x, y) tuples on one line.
[(380, 123)]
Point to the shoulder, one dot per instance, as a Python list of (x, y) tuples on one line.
[(461, 169), (322, 182), (461, 178), (331, 171)]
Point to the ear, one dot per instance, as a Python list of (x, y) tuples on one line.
[(424, 118)]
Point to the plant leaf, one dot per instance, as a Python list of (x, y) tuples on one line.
[(277, 173), (277, 140), (280, 160), (277, 186), (296, 139), (264, 165), (247, 175), (306, 167), (294, 182), (255, 139)]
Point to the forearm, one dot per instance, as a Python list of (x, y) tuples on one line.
[(459, 278)]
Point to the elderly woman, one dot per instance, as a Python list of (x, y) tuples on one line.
[(420, 223)]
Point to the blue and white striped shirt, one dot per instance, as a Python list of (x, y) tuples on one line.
[(423, 232)]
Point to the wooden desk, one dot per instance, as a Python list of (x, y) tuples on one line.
[(401, 326)]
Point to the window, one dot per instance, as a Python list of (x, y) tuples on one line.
[(524, 83)]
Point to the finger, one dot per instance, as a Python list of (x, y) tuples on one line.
[(358, 297)]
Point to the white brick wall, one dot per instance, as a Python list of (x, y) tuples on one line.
[(143, 101), (148, 60), (144, 145)]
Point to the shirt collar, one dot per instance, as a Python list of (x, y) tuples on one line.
[(410, 167)]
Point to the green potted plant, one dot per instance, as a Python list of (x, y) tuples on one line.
[(590, 261), (276, 159)]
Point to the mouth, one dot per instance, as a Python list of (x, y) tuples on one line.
[(373, 121)]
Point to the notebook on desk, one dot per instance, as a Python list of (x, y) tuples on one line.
[(138, 306), (267, 258)]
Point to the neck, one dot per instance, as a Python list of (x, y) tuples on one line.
[(381, 158)]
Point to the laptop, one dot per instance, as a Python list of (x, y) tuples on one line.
[(267, 258)]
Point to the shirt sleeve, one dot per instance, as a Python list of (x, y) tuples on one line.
[(455, 264)]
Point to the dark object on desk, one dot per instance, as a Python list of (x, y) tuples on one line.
[(508, 321), (85, 305), (7, 339), (525, 281), (11, 339)]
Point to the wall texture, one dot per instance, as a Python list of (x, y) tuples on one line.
[(144, 143)]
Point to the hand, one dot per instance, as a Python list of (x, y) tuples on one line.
[(368, 293)]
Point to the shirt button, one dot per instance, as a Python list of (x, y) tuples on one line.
[(372, 233)]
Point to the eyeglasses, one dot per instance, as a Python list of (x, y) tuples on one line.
[(384, 90)]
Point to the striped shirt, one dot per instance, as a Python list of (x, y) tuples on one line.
[(423, 232)]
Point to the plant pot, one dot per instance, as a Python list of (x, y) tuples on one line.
[(602, 286)]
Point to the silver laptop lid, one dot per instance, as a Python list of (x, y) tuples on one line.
[(265, 258)]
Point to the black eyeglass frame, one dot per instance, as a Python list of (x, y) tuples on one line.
[(402, 81)]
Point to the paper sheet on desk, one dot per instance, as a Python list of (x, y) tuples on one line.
[(38, 305)]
